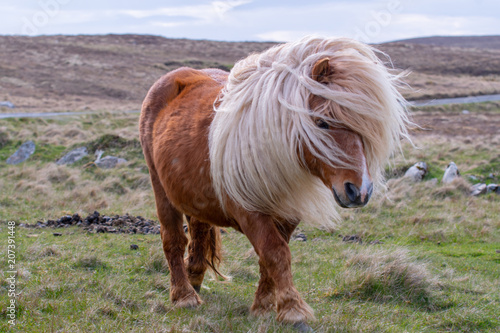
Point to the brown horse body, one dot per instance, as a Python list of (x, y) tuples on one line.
[(174, 133), (175, 123)]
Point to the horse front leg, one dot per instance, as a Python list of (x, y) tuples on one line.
[(174, 242), (275, 260), (265, 297)]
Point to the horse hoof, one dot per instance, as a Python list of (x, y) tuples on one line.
[(197, 288), (191, 301), (302, 326)]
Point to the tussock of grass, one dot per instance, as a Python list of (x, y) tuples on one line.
[(156, 262), (202, 324), (4, 138), (49, 251), (161, 283), (243, 273), (458, 187), (382, 275), (90, 262)]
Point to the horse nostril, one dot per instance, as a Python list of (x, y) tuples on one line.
[(352, 192)]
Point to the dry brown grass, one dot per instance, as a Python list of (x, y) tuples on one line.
[(66, 72), (386, 275)]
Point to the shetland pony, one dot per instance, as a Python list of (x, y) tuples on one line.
[(277, 141)]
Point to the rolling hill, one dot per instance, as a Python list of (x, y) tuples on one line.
[(114, 72)]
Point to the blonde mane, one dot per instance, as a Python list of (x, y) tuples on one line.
[(264, 121)]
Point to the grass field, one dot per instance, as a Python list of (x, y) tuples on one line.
[(429, 259)]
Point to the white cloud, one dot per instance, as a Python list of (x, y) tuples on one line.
[(286, 35), (255, 20), (206, 12)]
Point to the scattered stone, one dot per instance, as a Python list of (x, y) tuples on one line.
[(491, 176), (465, 111), (450, 173), (473, 178), (57, 234), (498, 251), (300, 237), (417, 172), (134, 247), (107, 162), (73, 156), (97, 223), (352, 239), (7, 104), (493, 188), (23, 153), (478, 189), (110, 162)]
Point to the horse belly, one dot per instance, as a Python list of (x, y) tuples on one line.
[(181, 157)]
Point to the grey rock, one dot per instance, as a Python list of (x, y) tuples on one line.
[(478, 189), (473, 178), (73, 156), (300, 237), (7, 104), (352, 239), (417, 172), (493, 188), (23, 153), (465, 111), (450, 173), (107, 162)]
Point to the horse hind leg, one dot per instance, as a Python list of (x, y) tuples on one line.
[(174, 242), (203, 251)]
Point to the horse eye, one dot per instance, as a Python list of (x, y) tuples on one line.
[(322, 124)]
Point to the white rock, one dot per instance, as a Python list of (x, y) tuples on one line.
[(450, 173), (7, 104), (23, 153), (493, 188), (417, 172), (109, 162), (478, 189), (73, 156)]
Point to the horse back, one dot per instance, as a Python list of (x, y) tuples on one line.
[(174, 126)]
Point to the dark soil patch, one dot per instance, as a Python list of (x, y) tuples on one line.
[(97, 223)]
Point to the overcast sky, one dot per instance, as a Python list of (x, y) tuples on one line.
[(253, 20)]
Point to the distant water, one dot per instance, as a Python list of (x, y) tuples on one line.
[(430, 102), (55, 114), (458, 100)]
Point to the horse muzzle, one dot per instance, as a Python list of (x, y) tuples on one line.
[(352, 196)]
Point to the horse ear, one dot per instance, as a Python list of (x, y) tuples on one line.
[(321, 70)]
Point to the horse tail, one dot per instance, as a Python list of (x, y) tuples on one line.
[(213, 255)]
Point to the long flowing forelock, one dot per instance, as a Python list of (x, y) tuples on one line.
[(264, 120)]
